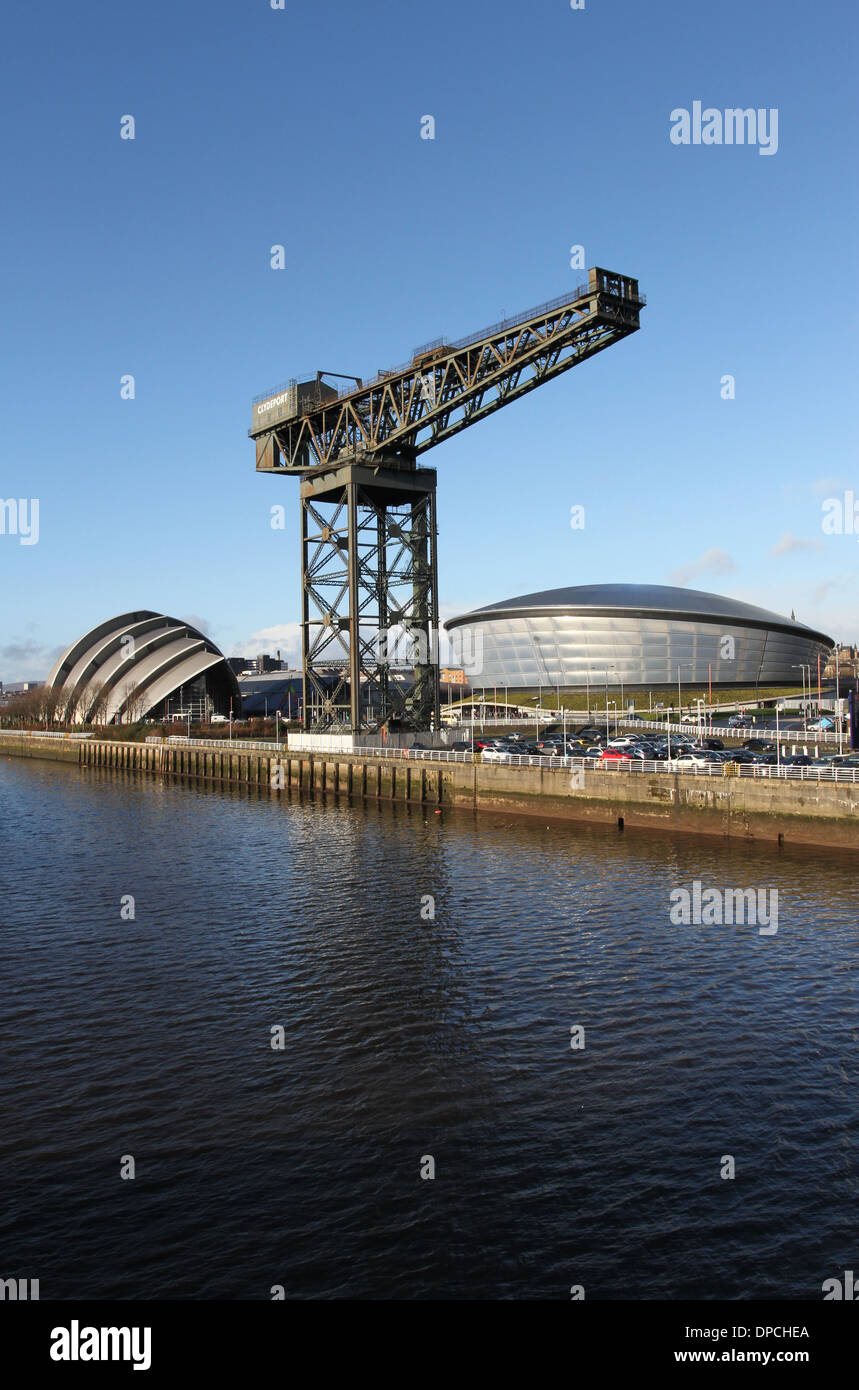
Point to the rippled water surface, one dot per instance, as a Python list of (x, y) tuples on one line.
[(407, 1037)]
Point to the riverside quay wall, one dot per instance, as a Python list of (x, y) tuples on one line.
[(766, 809)]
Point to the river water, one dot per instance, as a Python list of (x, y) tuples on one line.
[(408, 1037)]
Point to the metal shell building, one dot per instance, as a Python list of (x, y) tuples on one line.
[(141, 663), (644, 635)]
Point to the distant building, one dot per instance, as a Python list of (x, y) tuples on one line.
[(449, 676), (267, 693), (846, 665)]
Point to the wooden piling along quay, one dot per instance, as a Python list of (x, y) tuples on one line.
[(775, 810)]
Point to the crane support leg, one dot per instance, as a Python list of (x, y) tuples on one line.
[(369, 598)]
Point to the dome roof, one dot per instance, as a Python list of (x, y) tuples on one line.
[(639, 600)]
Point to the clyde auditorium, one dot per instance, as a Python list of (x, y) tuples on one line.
[(643, 635), (142, 663)]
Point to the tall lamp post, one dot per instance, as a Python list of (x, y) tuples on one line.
[(800, 666), (679, 698), (838, 699), (605, 670)]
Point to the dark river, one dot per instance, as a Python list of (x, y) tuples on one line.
[(407, 1038)]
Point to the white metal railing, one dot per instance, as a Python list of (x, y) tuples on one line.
[(726, 731), (785, 771), (44, 733)]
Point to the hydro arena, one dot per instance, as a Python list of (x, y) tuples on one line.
[(642, 635)]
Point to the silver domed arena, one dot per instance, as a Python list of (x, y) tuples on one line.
[(643, 635), (142, 664)]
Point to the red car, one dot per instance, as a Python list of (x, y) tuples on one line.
[(615, 755)]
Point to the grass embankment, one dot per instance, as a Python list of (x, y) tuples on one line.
[(644, 702)]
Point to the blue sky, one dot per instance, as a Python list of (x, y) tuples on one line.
[(301, 127)]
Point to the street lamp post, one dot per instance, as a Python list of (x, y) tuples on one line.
[(838, 699), (605, 670), (800, 666), (679, 698)]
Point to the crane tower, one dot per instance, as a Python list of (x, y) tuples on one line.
[(368, 510)]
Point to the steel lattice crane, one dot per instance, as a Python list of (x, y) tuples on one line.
[(368, 512)]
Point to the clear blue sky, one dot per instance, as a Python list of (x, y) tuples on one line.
[(301, 127)]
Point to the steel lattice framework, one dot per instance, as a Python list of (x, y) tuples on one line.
[(368, 512)]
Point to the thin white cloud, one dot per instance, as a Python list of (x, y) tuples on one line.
[(202, 624), (713, 561), (829, 586), (282, 637), (794, 545), (826, 487)]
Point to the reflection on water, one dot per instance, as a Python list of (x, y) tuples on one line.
[(406, 1037)]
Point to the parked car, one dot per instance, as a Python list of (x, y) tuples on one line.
[(822, 724), (715, 743), (759, 745), (692, 758), (738, 721), (549, 744), (615, 755)]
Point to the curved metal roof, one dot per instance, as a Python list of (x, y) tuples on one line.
[(638, 600), (166, 653)]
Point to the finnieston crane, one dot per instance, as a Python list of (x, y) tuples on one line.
[(368, 512)]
